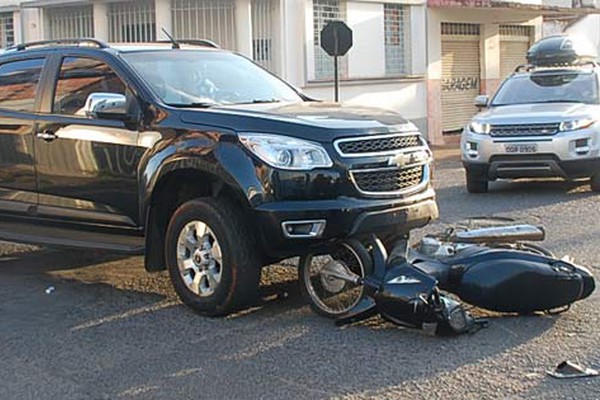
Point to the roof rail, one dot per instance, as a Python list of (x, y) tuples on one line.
[(529, 67), (193, 42), (85, 41)]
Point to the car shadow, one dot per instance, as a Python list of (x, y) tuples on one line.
[(106, 317)]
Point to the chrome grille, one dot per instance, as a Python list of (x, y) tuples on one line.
[(388, 180), (378, 144), (524, 130)]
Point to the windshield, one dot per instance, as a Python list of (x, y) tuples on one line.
[(205, 78), (565, 87)]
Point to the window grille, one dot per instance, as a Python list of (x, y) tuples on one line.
[(264, 32), (132, 21), (397, 39), (7, 31), (460, 29), (205, 19), (69, 22), (516, 30), (323, 12)]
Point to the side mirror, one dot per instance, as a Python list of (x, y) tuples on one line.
[(482, 101), (106, 106)]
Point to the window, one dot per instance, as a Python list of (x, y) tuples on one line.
[(264, 32), (323, 12), (397, 39), (7, 31), (132, 21), (70, 22), (18, 84), (79, 77), (205, 19)]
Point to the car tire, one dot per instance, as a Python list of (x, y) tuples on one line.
[(595, 183), (475, 184), (211, 258)]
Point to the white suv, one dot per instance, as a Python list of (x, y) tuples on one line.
[(542, 122)]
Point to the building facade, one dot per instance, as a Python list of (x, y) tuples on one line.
[(424, 59)]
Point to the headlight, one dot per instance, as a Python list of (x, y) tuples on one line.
[(575, 124), (480, 128), (286, 152)]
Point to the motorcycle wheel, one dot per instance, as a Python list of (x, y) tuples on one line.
[(327, 294)]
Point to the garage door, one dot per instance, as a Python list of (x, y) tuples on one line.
[(514, 43), (460, 74)]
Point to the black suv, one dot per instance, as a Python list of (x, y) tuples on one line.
[(198, 158)]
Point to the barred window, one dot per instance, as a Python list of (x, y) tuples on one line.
[(397, 39), (70, 22), (205, 19), (7, 31), (132, 21), (264, 32), (323, 12)]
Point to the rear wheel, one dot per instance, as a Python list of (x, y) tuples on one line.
[(210, 258), (328, 281), (475, 183)]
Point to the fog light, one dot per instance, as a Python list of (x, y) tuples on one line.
[(471, 149), (303, 229), (582, 146)]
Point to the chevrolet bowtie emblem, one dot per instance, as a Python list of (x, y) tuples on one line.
[(401, 160)]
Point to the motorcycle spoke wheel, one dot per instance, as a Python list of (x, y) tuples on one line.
[(327, 293)]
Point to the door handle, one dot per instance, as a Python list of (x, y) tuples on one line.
[(47, 135)]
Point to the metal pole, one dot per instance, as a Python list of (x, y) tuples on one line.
[(336, 78)]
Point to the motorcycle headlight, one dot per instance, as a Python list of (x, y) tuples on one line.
[(480, 128), (575, 124), (286, 152)]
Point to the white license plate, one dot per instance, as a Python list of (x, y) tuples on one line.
[(521, 148)]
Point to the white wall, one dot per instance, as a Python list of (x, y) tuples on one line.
[(366, 58), (588, 27)]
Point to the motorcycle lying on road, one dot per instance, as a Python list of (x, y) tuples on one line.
[(494, 268)]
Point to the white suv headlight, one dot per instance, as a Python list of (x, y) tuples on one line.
[(286, 152), (480, 128), (575, 124)]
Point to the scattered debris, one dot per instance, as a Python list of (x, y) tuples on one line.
[(567, 370), (50, 289)]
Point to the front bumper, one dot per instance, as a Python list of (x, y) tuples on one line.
[(567, 155), (344, 217)]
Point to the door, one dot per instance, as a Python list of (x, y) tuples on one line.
[(19, 81), (514, 44), (460, 74), (87, 167)]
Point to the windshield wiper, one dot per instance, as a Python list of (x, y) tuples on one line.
[(259, 101), (199, 104)]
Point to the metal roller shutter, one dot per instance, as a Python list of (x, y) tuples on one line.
[(514, 43), (460, 74)]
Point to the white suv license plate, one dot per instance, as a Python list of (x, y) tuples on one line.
[(521, 148)]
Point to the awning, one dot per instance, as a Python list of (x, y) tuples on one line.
[(546, 8)]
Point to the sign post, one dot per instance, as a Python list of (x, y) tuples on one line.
[(336, 40)]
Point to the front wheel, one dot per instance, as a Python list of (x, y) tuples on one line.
[(210, 257), (329, 282)]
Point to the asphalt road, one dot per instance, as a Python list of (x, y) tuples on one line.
[(111, 331)]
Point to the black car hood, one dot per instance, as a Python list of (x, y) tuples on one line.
[(309, 120)]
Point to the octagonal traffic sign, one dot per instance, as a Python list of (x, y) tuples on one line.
[(336, 38)]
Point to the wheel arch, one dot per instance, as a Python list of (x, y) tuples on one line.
[(174, 187)]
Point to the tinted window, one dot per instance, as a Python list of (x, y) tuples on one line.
[(18, 84), (544, 87), (79, 77)]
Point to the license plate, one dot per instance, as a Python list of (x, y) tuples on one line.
[(521, 148)]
